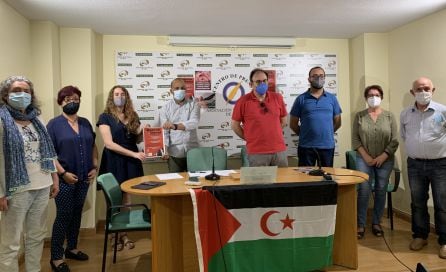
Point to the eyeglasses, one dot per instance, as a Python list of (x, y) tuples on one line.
[(258, 82), (70, 99), (263, 106)]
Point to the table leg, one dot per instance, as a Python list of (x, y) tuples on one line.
[(173, 239), (345, 245)]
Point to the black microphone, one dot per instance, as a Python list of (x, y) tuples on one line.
[(319, 171), (213, 175)]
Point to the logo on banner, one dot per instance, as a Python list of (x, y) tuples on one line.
[(331, 65), (225, 126), (145, 107), (242, 56), (165, 55), (279, 74), (260, 63), (206, 138), (279, 57), (166, 95), (144, 63), (204, 56), (123, 55), (223, 65), (232, 87), (165, 74), (224, 145), (123, 74), (144, 85), (232, 92), (184, 63)]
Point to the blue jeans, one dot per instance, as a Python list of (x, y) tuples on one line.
[(308, 156), (421, 174), (380, 178)]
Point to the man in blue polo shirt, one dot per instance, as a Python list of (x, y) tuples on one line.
[(315, 117)]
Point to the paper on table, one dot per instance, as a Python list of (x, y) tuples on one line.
[(223, 173), (169, 176)]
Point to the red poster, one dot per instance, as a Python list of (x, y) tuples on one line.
[(271, 80), (154, 145), (202, 80)]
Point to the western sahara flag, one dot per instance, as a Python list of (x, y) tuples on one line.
[(280, 227)]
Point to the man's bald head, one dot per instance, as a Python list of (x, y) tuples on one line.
[(422, 83)]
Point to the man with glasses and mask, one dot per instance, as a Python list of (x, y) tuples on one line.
[(258, 118), (179, 118), (423, 129), (315, 117)]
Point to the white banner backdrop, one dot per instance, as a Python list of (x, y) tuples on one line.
[(220, 79)]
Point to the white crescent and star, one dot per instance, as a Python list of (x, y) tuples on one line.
[(287, 223)]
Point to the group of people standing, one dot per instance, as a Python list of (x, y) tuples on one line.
[(260, 116), (423, 130), (61, 159)]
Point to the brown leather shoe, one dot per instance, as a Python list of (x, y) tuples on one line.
[(442, 252), (418, 243)]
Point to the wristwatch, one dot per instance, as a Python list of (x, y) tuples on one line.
[(175, 126)]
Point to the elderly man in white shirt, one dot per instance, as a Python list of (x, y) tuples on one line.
[(179, 118), (423, 129)]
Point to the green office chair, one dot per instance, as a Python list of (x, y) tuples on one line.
[(200, 159), (244, 156), (120, 220), (350, 157)]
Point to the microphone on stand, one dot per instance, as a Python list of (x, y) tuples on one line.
[(319, 171), (213, 175)]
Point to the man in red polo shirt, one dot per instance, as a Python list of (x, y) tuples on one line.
[(258, 118)]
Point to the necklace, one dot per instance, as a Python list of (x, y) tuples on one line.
[(72, 122)]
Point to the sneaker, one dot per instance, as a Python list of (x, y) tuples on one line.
[(442, 252), (418, 243)]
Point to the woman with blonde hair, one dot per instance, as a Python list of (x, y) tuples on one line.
[(120, 129)]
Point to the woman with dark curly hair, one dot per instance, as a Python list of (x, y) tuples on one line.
[(120, 129)]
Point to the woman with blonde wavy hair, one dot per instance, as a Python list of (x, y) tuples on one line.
[(120, 129)]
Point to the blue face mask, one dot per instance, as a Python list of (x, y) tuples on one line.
[(20, 100), (179, 95), (262, 88)]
